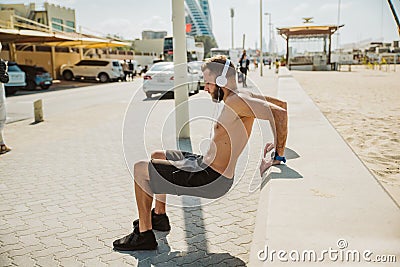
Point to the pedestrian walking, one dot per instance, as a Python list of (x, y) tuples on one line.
[(125, 69), (244, 63), (277, 64), (3, 114)]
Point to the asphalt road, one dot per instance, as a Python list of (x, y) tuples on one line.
[(70, 96)]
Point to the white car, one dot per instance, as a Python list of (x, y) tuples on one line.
[(16, 79), (196, 66), (103, 70), (160, 79)]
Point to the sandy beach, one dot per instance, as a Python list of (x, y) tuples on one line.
[(364, 107)]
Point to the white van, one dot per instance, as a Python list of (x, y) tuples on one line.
[(103, 70)]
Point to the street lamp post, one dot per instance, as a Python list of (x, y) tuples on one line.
[(232, 15), (270, 35), (180, 72), (261, 50), (338, 37)]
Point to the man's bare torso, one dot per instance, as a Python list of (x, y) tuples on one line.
[(231, 134)]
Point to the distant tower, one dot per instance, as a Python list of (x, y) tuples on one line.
[(198, 15), (206, 10)]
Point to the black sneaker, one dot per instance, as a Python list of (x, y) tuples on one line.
[(159, 222), (137, 241)]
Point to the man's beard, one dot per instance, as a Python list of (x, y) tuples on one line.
[(218, 95)]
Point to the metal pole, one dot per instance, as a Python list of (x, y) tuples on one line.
[(53, 62), (266, 34), (232, 15), (180, 72), (270, 32), (261, 50), (287, 52), (338, 37), (244, 38), (270, 39)]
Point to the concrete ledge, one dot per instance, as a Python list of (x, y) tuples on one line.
[(323, 194)]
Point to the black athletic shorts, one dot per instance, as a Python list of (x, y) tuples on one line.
[(185, 173)]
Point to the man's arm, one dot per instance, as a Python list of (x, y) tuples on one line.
[(260, 108), (273, 100)]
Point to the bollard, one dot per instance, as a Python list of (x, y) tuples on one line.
[(38, 110)]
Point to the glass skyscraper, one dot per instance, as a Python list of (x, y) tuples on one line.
[(198, 15)]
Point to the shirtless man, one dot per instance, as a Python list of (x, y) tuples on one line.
[(210, 175)]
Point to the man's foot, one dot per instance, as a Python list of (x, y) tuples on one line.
[(4, 149), (137, 241), (159, 222)]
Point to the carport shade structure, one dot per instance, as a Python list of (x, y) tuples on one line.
[(65, 39), (54, 39), (309, 31)]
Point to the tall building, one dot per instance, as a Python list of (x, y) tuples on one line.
[(57, 18), (198, 15), (153, 35)]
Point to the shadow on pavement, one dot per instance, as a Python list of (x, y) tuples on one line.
[(285, 171), (291, 154), (163, 256)]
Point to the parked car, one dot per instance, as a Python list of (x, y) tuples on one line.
[(17, 79), (196, 66), (36, 76), (103, 70), (160, 79)]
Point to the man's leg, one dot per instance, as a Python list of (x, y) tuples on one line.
[(3, 147), (160, 198), (144, 194), (142, 237)]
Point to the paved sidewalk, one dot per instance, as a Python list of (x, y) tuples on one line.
[(323, 199), (66, 194)]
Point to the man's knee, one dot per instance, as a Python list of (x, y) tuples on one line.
[(158, 154)]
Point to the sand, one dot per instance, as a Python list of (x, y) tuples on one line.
[(364, 107)]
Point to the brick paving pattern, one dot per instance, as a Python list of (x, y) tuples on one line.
[(66, 194)]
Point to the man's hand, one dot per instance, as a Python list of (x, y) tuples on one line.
[(267, 162), (268, 148), (265, 165)]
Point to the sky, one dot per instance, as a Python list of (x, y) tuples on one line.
[(364, 20)]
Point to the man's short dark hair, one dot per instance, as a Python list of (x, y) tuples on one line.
[(216, 65)]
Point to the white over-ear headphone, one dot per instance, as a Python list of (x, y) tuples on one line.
[(221, 80)]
